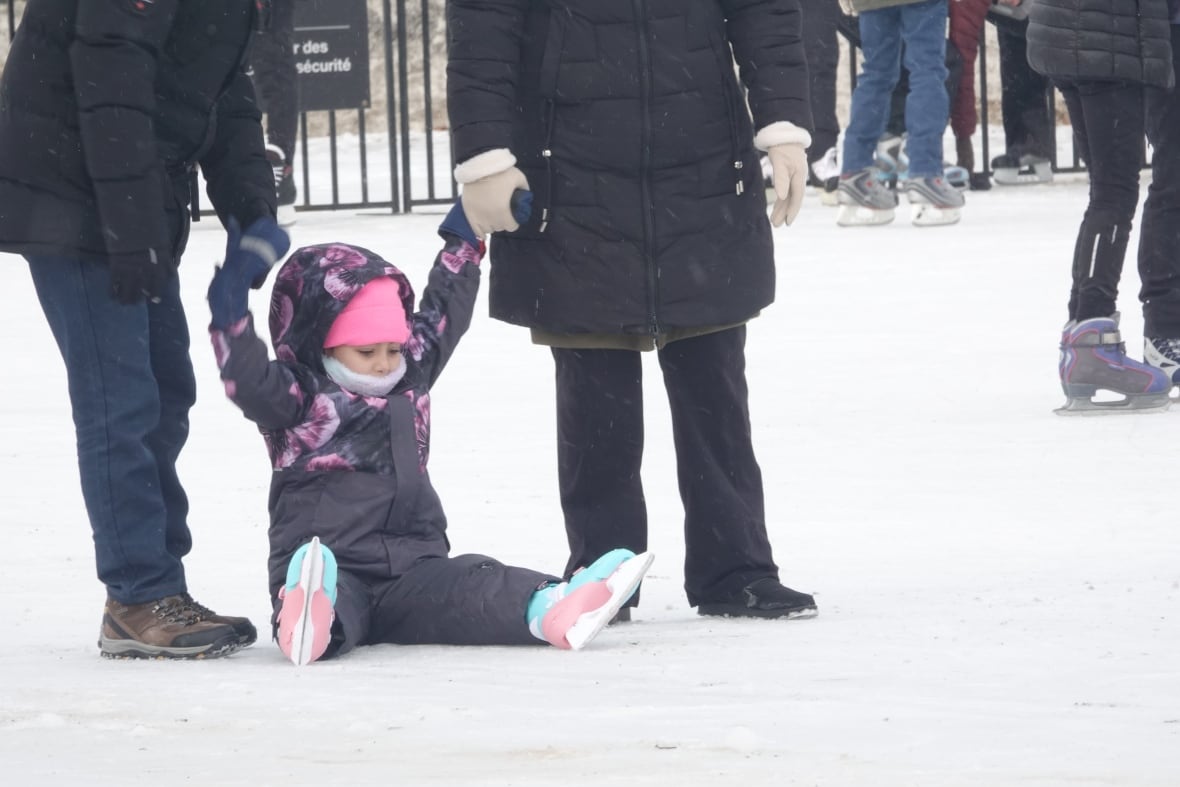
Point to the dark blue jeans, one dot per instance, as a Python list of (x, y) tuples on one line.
[(922, 28), (131, 387)]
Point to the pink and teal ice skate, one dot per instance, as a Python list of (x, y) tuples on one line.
[(568, 615), (309, 600)]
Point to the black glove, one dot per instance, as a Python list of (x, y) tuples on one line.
[(248, 259), (138, 275)]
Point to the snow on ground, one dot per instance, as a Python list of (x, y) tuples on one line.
[(999, 587)]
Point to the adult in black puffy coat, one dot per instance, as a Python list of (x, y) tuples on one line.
[(106, 108), (1113, 62), (649, 230)]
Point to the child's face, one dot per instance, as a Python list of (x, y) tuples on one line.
[(375, 360)]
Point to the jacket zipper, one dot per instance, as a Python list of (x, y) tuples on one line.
[(547, 154), (731, 100), (646, 207)]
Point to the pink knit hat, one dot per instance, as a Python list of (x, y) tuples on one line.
[(375, 314)]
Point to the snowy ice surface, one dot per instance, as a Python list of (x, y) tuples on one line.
[(999, 587)]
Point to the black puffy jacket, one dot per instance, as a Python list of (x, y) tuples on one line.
[(629, 121), (106, 107), (1101, 40)]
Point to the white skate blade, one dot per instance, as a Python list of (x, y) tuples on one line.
[(827, 198), (311, 579), (622, 584), (1139, 404), (923, 214), (860, 216)]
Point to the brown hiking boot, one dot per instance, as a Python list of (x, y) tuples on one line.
[(167, 628), (245, 630)]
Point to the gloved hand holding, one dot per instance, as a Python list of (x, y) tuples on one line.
[(248, 259), (789, 164), (137, 276), (487, 201), (456, 223), (489, 180)]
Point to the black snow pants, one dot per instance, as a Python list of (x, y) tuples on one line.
[(461, 600), (600, 450)]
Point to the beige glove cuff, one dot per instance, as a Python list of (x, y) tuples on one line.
[(490, 162), (782, 132)]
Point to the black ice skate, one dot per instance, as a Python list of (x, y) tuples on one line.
[(1093, 359)]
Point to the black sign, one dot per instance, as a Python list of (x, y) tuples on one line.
[(332, 54)]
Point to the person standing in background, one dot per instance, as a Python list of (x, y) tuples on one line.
[(1113, 62), (108, 105), (272, 66)]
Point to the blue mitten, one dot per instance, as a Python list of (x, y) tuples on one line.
[(456, 222), (249, 257)]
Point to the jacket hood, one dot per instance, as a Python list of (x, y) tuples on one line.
[(313, 287)]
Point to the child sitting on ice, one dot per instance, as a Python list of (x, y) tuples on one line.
[(358, 546)]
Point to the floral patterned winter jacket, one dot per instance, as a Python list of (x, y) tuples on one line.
[(348, 468)]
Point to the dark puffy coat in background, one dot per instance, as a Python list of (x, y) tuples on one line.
[(1101, 40), (631, 126), (89, 170)]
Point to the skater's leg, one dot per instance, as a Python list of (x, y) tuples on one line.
[(462, 600), (820, 18), (1159, 233), (137, 513), (599, 451), (726, 544), (1108, 124), (880, 34), (923, 29)]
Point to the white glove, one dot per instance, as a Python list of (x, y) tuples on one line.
[(488, 182), (789, 164), (848, 8)]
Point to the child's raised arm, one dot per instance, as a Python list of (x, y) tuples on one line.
[(445, 309), (266, 391)]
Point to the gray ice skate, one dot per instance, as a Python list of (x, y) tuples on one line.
[(933, 201), (864, 199), (1093, 359)]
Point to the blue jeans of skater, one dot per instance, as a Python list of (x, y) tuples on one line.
[(131, 387), (921, 27)]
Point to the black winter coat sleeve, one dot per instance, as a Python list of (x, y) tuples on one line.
[(766, 36), (488, 34), (114, 58), (241, 182)]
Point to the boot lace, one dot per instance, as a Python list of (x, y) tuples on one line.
[(177, 609), (202, 611)]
